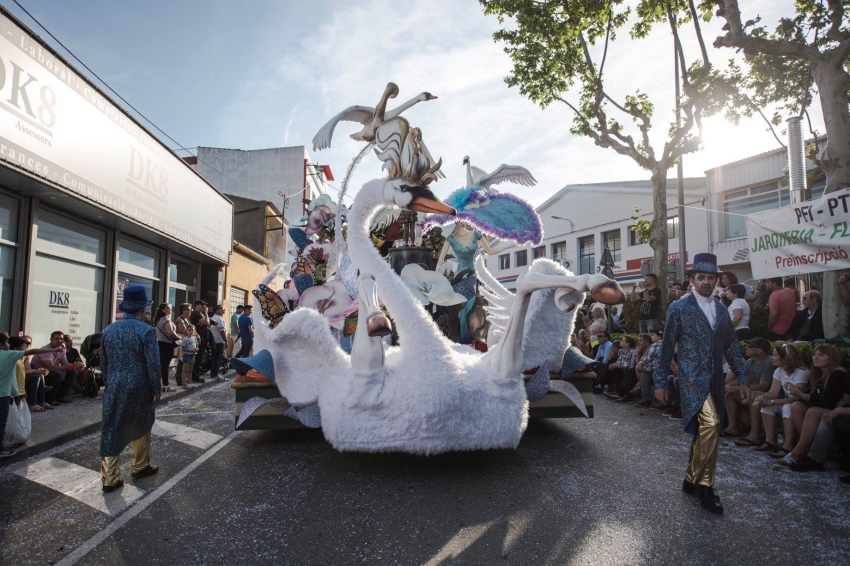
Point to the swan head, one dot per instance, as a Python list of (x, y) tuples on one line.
[(426, 96), (418, 198), (465, 159)]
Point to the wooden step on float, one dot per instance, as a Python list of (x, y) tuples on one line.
[(271, 416)]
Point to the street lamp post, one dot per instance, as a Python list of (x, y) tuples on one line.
[(572, 224)]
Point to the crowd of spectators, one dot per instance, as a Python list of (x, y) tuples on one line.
[(793, 413), (46, 378)]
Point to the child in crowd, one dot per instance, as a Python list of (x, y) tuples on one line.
[(190, 350)]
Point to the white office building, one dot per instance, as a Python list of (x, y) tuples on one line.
[(580, 220)]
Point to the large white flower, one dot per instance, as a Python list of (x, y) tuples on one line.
[(430, 286)]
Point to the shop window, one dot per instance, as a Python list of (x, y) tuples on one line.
[(8, 237), (505, 261), (559, 251), (68, 274), (538, 252), (748, 201), (612, 240), (586, 255), (182, 284), (672, 227), (522, 258), (69, 239), (137, 265)]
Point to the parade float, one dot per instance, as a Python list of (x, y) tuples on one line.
[(405, 386)]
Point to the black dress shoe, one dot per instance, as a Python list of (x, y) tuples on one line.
[(807, 465), (199, 380), (624, 399), (688, 487), (708, 500), (110, 488), (148, 471)]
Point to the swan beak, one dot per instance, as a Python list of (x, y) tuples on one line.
[(465, 160), (429, 96), (426, 201)]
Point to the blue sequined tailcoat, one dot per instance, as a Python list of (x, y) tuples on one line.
[(700, 356), (129, 360)]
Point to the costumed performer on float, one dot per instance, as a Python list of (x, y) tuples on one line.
[(700, 326), (129, 359)]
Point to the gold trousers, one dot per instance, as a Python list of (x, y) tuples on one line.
[(702, 461), (110, 466)]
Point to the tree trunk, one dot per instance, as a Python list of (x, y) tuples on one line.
[(658, 234), (832, 83)]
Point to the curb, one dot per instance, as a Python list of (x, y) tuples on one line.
[(25, 452)]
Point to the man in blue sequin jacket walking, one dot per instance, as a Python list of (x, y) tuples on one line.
[(700, 326)]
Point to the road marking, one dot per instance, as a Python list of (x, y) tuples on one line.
[(185, 434), (79, 483), (141, 505)]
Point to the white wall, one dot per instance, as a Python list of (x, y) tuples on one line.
[(260, 174)]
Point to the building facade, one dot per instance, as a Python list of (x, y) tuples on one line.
[(580, 220), (91, 201), (276, 174), (743, 187)]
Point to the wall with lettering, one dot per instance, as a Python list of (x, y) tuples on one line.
[(56, 307)]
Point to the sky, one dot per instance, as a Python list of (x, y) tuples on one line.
[(258, 74)]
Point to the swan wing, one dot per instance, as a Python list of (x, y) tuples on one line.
[(361, 114), (501, 300), (385, 216), (507, 173), (431, 160)]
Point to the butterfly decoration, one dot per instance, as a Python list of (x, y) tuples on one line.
[(271, 305)]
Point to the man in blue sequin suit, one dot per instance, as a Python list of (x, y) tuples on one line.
[(129, 359), (700, 326)]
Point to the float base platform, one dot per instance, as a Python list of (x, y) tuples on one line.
[(553, 406)]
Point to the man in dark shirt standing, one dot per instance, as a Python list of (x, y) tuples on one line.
[(808, 323), (649, 298), (246, 332), (201, 322)]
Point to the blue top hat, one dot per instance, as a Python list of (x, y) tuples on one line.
[(703, 263), (135, 299)]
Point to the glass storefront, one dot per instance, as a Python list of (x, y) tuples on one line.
[(8, 239), (68, 278), (137, 265), (182, 283)]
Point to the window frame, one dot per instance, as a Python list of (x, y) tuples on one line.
[(524, 255), (616, 255), (582, 256), (504, 262)]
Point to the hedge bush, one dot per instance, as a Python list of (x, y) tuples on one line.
[(805, 349)]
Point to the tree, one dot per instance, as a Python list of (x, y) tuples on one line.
[(550, 49), (806, 54)]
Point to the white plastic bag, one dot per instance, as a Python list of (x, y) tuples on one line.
[(19, 423)]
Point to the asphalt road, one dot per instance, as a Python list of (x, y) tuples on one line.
[(598, 491)]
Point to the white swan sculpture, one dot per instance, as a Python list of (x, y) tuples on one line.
[(476, 177), (428, 395)]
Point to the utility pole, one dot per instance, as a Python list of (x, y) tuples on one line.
[(680, 186)]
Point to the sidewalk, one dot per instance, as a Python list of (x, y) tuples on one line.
[(75, 420)]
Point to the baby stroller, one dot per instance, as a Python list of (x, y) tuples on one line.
[(90, 350)]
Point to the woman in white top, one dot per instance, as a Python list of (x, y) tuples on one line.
[(600, 322), (789, 370), (739, 310)]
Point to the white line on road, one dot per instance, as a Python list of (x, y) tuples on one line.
[(80, 483), (141, 505), (185, 434)]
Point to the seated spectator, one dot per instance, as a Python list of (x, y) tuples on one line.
[(739, 310), (76, 360), (602, 357), (616, 371), (808, 323), (789, 371), (599, 323), (61, 373), (830, 391), (759, 369), (647, 367), (674, 410), (582, 342), (630, 374)]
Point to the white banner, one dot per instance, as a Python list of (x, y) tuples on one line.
[(57, 126), (802, 238)]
